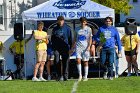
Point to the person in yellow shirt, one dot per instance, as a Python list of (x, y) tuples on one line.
[(17, 49), (41, 47), (1, 55), (131, 47)]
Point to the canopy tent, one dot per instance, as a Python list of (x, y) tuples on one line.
[(70, 9)]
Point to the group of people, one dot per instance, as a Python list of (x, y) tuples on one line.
[(85, 44)]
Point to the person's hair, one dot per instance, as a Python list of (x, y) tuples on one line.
[(110, 18), (59, 18), (40, 24), (82, 19)]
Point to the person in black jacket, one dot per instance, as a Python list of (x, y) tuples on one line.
[(61, 42)]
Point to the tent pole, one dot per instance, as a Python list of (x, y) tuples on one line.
[(24, 50), (114, 19)]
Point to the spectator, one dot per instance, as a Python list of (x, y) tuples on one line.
[(61, 42), (17, 49), (108, 36), (41, 47), (131, 47)]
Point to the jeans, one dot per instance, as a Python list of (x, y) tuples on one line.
[(116, 64), (107, 59), (61, 70)]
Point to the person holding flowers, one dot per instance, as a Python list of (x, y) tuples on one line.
[(108, 36)]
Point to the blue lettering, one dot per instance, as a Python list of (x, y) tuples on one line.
[(39, 14), (79, 14), (51, 14), (91, 14)]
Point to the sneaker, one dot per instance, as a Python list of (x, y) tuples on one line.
[(80, 78), (116, 76), (129, 74), (49, 77), (35, 79), (137, 74), (110, 78), (61, 78), (105, 75), (85, 79), (42, 79)]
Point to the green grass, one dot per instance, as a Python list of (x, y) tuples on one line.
[(120, 85), (23, 86)]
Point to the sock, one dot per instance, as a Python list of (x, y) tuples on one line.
[(86, 71), (79, 69)]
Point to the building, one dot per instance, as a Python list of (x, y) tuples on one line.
[(133, 12), (10, 11)]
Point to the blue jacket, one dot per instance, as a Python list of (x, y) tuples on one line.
[(61, 36), (111, 35)]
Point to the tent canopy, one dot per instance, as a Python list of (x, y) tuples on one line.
[(70, 9)]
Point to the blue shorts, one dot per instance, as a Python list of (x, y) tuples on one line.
[(50, 54)]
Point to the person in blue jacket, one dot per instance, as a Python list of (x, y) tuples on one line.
[(108, 36), (61, 44)]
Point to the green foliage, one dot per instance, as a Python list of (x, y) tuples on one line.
[(102, 38), (120, 6)]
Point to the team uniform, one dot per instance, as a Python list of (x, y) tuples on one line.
[(82, 43)]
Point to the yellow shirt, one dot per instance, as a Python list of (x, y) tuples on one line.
[(1, 47), (18, 47), (126, 41), (41, 44)]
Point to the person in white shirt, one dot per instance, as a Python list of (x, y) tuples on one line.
[(82, 44)]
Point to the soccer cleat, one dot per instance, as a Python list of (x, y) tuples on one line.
[(85, 79), (42, 79), (80, 78), (35, 79)]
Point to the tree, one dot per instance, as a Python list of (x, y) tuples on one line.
[(120, 6)]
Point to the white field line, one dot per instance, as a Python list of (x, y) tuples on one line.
[(74, 88)]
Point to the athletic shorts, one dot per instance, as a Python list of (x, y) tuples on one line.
[(131, 53), (50, 54), (82, 54), (18, 58)]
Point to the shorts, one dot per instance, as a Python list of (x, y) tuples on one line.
[(50, 54), (82, 54), (131, 53), (41, 55), (18, 59)]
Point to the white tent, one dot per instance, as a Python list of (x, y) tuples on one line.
[(70, 9)]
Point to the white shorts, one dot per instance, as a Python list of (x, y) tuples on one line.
[(82, 54)]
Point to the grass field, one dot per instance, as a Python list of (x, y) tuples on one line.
[(120, 85)]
